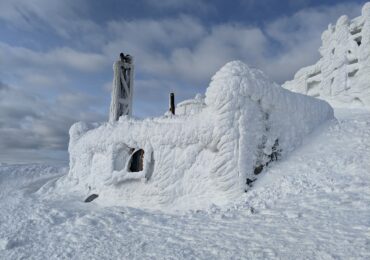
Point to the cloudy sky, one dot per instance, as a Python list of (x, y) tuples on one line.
[(56, 57)]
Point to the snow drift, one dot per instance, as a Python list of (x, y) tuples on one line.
[(203, 155), (341, 76)]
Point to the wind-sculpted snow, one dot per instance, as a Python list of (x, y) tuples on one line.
[(193, 160), (341, 76)]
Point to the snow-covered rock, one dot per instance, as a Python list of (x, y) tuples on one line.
[(341, 76), (193, 159)]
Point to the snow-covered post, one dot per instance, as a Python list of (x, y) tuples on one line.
[(123, 86), (172, 103)]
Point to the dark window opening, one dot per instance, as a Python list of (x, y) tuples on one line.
[(358, 40), (137, 161), (333, 51)]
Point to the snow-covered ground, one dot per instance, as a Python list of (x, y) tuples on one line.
[(314, 204)]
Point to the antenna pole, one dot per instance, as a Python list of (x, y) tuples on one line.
[(172, 103)]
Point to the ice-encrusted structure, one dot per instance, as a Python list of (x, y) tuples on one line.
[(341, 76), (201, 156), (123, 88), (191, 106)]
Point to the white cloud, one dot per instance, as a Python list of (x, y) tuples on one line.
[(171, 54), (3, 86), (30, 123), (197, 5), (187, 50), (65, 57), (224, 43), (184, 48), (63, 17)]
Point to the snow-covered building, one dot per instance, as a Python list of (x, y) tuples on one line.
[(341, 76), (204, 154)]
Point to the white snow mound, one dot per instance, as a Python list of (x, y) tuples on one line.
[(341, 76), (194, 159)]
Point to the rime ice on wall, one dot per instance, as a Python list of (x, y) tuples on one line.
[(342, 75), (201, 156)]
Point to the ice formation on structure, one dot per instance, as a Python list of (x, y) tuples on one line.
[(202, 155), (341, 76), (191, 106), (122, 89)]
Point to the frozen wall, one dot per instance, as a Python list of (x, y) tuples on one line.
[(342, 75), (193, 160)]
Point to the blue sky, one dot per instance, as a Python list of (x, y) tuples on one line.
[(56, 57)]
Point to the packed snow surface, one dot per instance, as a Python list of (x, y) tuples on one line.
[(202, 156), (313, 204), (341, 76)]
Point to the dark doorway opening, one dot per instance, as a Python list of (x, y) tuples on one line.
[(137, 161)]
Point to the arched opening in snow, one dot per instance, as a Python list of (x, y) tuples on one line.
[(136, 163)]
